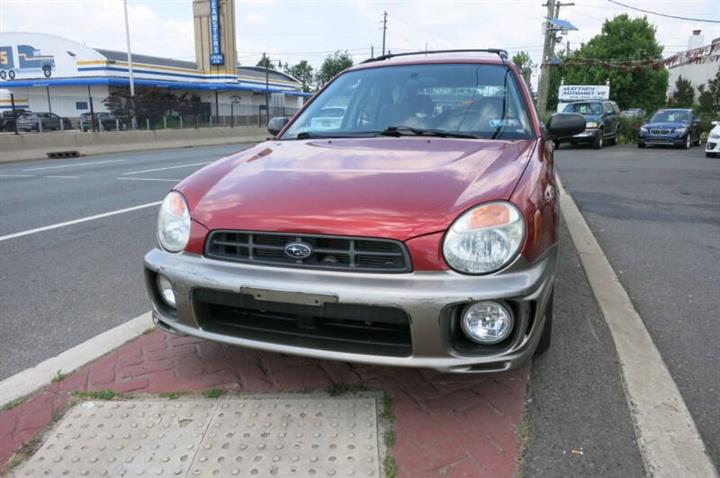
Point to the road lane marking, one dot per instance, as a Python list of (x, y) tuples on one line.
[(17, 175), (165, 169), (62, 177), (34, 378), (75, 165), (150, 179), (15, 235), (669, 441)]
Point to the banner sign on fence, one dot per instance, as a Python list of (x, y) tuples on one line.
[(569, 93), (216, 56)]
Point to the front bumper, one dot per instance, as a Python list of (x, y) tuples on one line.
[(713, 145), (588, 135), (658, 140), (432, 302)]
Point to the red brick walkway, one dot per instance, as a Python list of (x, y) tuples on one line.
[(446, 425)]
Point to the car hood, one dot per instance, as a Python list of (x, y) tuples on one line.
[(665, 125), (384, 187), (596, 118)]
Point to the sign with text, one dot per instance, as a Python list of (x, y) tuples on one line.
[(583, 92), (216, 55)]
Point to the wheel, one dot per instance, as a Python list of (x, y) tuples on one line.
[(3, 75), (614, 139), (688, 143), (545, 338), (599, 140), (698, 142), (641, 145), (557, 144), (47, 71), (11, 74)]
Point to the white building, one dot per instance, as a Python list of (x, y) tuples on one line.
[(51, 74), (699, 64)]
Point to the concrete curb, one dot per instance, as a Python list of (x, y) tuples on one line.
[(669, 441), (30, 146), (34, 378)]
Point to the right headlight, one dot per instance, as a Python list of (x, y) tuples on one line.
[(485, 238), (714, 135), (173, 226)]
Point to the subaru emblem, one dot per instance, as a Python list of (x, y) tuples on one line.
[(298, 250)]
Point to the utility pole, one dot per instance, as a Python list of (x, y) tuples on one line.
[(553, 11), (267, 88), (133, 120), (384, 31)]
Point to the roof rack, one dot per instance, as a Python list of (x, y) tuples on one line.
[(503, 54)]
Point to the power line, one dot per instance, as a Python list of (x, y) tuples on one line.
[(676, 17)]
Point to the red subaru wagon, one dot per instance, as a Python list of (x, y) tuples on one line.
[(406, 216)]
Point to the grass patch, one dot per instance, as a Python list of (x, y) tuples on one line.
[(14, 403), (59, 376), (169, 395), (212, 393), (386, 413), (390, 467), (95, 395), (389, 439), (341, 388)]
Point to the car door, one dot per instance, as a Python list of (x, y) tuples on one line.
[(609, 119), (695, 128)]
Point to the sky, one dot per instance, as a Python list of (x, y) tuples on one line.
[(291, 30)]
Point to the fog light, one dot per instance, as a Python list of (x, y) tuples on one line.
[(166, 291), (487, 322)]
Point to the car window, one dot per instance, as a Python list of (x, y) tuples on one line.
[(588, 108), (482, 100), (670, 116)]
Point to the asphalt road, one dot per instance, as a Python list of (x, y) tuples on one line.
[(656, 214), (61, 287)]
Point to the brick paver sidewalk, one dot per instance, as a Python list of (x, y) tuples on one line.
[(446, 425)]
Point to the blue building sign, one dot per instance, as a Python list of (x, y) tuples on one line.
[(216, 56)]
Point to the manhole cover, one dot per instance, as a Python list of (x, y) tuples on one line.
[(284, 437)]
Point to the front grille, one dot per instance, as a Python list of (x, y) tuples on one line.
[(335, 327), (660, 131), (328, 252)]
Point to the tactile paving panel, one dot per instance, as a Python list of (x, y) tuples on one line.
[(263, 437)]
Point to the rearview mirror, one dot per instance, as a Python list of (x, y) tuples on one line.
[(562, 125), (276, 124)]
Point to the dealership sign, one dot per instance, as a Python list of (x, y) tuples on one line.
[(569, 93), (216, 56)]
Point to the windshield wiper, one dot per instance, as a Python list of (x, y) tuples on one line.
[(317, 135), (410, 131)]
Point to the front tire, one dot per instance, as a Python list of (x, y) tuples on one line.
[(47, 71), (688, 142), (614, 139), (599, 140)]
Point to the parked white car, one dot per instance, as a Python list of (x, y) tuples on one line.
[(712, 148)]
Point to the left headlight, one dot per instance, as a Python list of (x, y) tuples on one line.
[(485, 238), (173, 226), (591, 124)]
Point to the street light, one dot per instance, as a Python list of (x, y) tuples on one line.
[(133, 121)]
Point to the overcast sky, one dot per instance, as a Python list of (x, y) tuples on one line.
[(294, 29)]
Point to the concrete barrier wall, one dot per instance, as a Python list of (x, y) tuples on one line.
[(37, 146)]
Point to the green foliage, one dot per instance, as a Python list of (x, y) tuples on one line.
[(525, 64), (623, 38), (389, 438), (169, 395), (333, 65), (708, 105), (340, 389), (265, 62), (212, 393), (304, 72), (390, 467), (59, 376), (96, 395), (153, 104), (684, 95), (629, 127)]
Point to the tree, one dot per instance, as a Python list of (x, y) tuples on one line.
[(684, 95), (265, 62), (622, 39), (333, 65), (708, 107), (303, 72), (525, 64)]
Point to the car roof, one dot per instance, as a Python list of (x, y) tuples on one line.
[(674, 109), (421, 58)]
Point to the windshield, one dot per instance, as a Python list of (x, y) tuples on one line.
[(469, 99), (671, 117), (585, 108)]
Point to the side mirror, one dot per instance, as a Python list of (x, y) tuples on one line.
[(696, 120), (276, 124), (714, 123), (562, 125)]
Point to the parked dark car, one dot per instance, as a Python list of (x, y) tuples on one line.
[(8, 119), (677, 127), (633, 113), (602, 120), (50, 121), (103, 122)]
